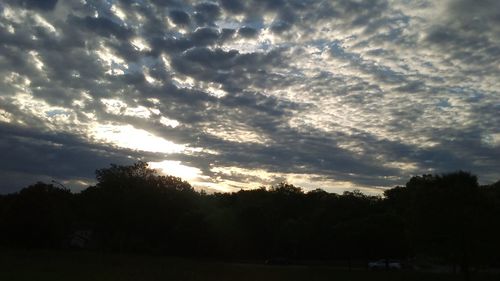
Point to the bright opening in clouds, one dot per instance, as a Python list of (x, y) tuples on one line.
[(175, 168), (236, 94), (129, 137)]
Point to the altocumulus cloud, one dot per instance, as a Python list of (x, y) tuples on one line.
[(237, 94)]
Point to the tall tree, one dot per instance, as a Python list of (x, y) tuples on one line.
[(446, 217)]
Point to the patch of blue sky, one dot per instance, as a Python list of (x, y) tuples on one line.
[(54, 112)]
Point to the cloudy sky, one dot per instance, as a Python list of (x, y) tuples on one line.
[(232, 94)]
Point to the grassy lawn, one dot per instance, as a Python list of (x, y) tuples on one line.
[(75, 266)]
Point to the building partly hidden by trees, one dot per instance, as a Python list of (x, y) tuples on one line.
[(447, 219)]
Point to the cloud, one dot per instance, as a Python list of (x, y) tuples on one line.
[(330, 93), (45, 156), (248, 32), (179, 17), (104, 27), (236, 6), (207, 13), (44, 5)]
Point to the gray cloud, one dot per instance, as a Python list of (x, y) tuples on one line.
[(104, 27), (207, 13), (48, 155), (179, 17), (236, 6), (44, 5), (248, 32), (366, 93)]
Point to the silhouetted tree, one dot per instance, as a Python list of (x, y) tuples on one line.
[(135, 209), (446, 215), (38, 216)]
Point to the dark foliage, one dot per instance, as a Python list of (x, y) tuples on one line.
[(447, 218), (38, 216)]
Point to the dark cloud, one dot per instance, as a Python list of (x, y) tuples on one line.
[(167, 3), (205, 36), (104, 27), (248, 32), (231, 68), (280, 26), (380, 72), (411, 87), (179, 17), (470, 33), (227, 34), (207, 13), (44, 5), (48, 154), (486, 13), (233, 6), (363, 12)]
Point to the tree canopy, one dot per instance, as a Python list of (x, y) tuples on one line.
[(449, 218)]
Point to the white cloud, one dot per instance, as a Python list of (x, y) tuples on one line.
[(169, 122)]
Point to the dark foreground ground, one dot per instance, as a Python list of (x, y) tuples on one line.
[(75, 266)]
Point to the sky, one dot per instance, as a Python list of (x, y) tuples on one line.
[(232, 94)]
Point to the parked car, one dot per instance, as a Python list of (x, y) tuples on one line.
[(385, 264)]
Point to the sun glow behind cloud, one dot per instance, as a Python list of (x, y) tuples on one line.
[(255, 178), (175, 168), (126, 136)]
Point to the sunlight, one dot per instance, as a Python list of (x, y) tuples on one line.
[(14, 15), (231, 178), (84, 99), (216, 90), (169, 122), (54, 117), (150, 79), (318, 94), (175, 168), (112, 62), (113, 106), (183, 82), (118, 12), (5, 116), (17, 81), (410, 167), (126, 136), (243, 178), (492, 140), (166, 62), (36, 59), (138, 111), (244, 46), (140, 44), (118, 107), (41, 21)]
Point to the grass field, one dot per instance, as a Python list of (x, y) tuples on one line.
[(76, 266)]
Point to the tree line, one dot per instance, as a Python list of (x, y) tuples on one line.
[(448, 219)]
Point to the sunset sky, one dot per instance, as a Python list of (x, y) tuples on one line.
[(231, 94)]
